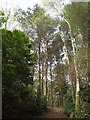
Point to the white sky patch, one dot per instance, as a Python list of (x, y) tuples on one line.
[(11, 5), (67, 1), (24, 4), (14, 4)]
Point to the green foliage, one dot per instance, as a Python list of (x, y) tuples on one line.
[(17, 57), (76, 14), (85, 92), (17, 73), (83, 111), (68, 103), (36, 21), (2, 18), (33, 105)]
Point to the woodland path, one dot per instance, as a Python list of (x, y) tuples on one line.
[(49, 113), (53, 113)]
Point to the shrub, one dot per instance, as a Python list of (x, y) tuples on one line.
[(83, 111), (68, 104)]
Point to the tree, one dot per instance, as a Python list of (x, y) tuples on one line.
[(74, 34), (79, 36), (71, 13), (42, 29), (17, 69)]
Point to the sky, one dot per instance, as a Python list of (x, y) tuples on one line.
[(24, 4), (13, 4)]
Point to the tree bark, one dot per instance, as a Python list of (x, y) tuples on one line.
[(51, 84), (39, 78), (77, 102), (70, 76), (42, 77), (46, 65)]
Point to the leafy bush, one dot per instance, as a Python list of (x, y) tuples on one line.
[(68, 104), (19, 96), (83, 111), (69, 108)]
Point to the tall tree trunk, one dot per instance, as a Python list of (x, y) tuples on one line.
[(77, 102), (42, 77), (46, 65), (70, 76), (39, 78), (88, 43), (51, 84)]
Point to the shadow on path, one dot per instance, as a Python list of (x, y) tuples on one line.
[(49, 113), (53, 113)]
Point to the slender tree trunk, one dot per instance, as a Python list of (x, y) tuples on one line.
[(70, 76), (42, 77), (76, 98), (46, 65), (51, 84), (77, 102), (44, 80), (39, 78)]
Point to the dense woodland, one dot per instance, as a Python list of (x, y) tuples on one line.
[(45, 63)]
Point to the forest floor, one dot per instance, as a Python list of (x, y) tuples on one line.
[(53, 113), (49, 113)]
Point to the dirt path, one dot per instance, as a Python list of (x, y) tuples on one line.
[(53, 113), (49, 113)]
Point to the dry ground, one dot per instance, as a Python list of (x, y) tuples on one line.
[(53, 113)]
